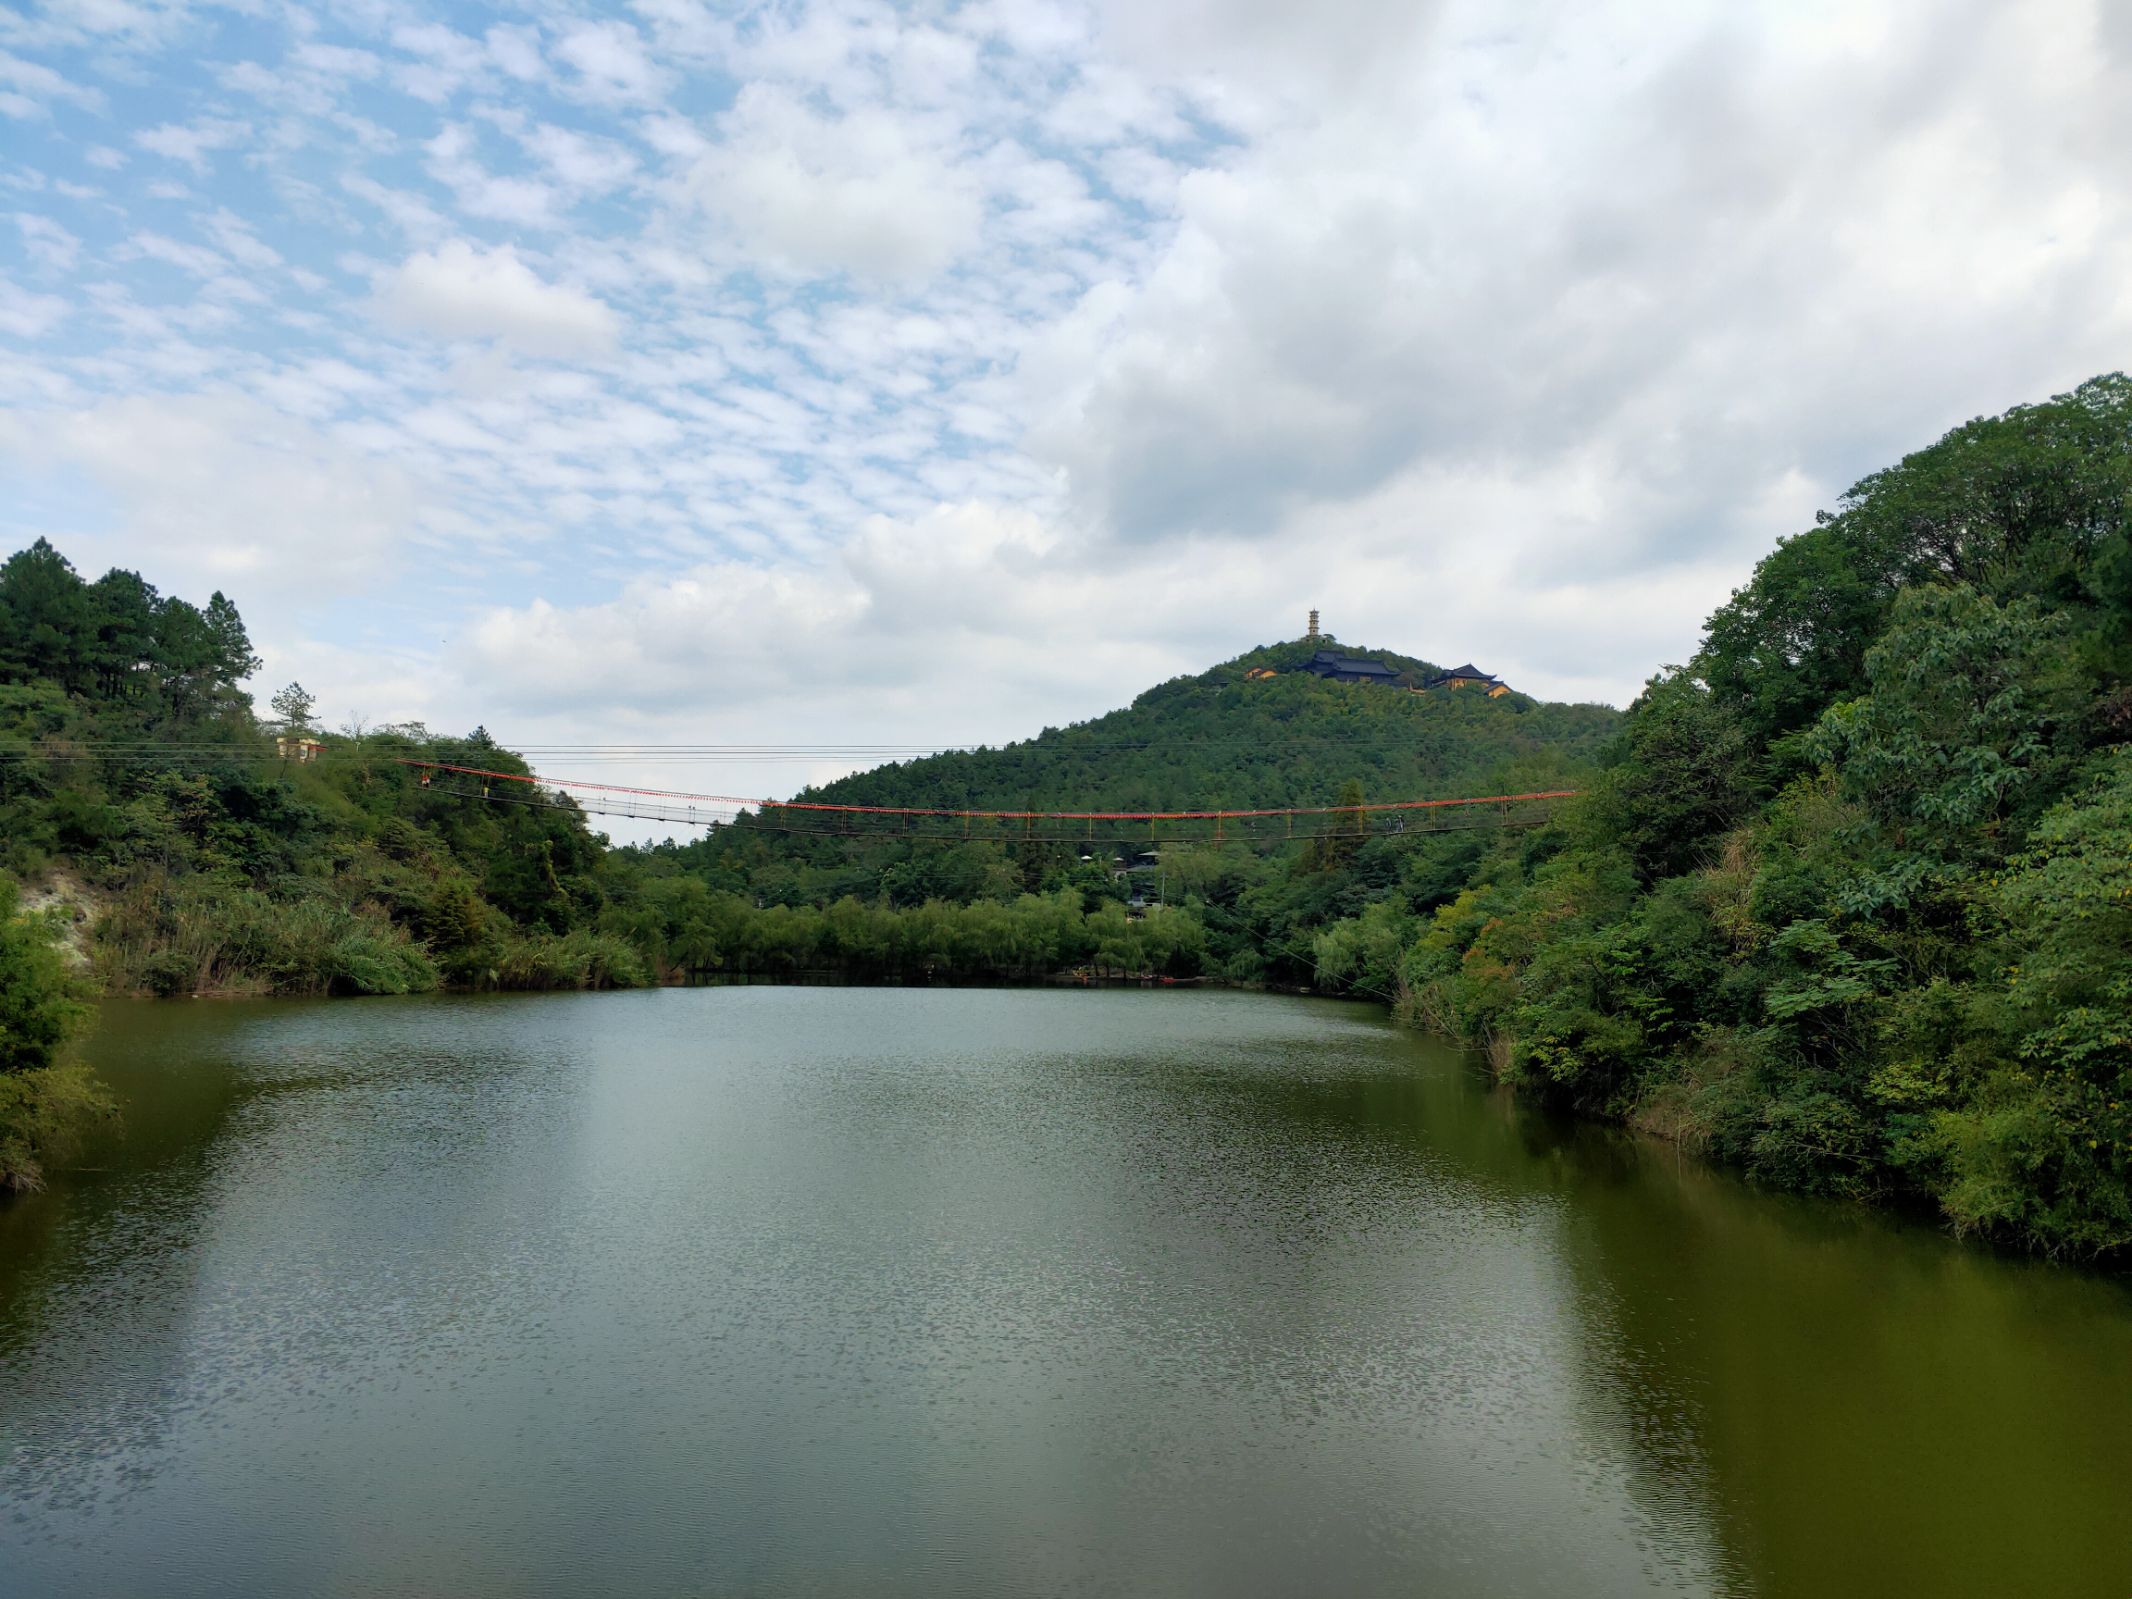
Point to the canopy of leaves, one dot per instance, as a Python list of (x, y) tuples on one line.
[(1877, 933)]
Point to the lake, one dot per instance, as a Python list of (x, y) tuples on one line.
[(837, 1291)]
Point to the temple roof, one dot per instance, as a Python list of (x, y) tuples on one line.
[(1333, 661)]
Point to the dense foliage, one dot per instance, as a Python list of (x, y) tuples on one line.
[(1849, 901), (135, 776), (1852, 904)]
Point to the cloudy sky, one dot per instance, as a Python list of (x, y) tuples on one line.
[(840, 373)]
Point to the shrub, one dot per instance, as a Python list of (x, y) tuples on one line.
[(45, 1102)]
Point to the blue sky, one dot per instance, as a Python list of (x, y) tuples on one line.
[(843, 372)]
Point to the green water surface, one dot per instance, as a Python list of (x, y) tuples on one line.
[(810, 1291)]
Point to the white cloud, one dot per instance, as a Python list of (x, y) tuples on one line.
[(516, 50), (1258, 65), (481, 193), (1659, 247), (870, 607), (108, 25), (460, 291), (407, 211), (439, 61), (610, 63), (239, 242), (191, 143), (26, 315), (674, 137), (218, 491), (192, 258), (49, 244), (1015, 621), (958, 334), (35, 86), (861, 193), (578, 161), (336, 61)]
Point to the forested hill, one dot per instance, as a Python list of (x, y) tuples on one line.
[(1221, 740)]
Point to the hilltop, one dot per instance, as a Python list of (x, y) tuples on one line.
[(1258, 731), (1224, 739)]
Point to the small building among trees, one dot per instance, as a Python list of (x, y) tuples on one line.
[(1350, 668), (1469, 676)]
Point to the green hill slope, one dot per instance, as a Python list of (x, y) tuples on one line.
[(1222, 741)]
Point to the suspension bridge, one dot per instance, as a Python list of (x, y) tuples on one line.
[(948, 824)]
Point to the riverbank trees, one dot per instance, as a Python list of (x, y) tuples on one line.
[(687, 929), (210, 862), (1850, 906)]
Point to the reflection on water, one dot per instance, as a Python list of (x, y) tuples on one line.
[(809, 1291)]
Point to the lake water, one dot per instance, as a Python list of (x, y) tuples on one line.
[(809, 1291)]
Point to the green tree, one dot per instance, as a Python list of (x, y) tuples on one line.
[(45, 619), (121, 653), (1685, 777), (229, 646), (292, 707), (1342, 830), (2031, 503), (1970, 714), (2041, 1148)]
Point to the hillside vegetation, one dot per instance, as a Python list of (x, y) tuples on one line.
[(141, 791), (1217, 740), (131, 759), (1852, 904)]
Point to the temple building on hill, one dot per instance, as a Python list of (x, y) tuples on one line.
[(1349, 669), (1469, 676), (1344, 668)]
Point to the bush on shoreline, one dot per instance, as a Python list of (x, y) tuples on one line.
[(46, 1100)]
